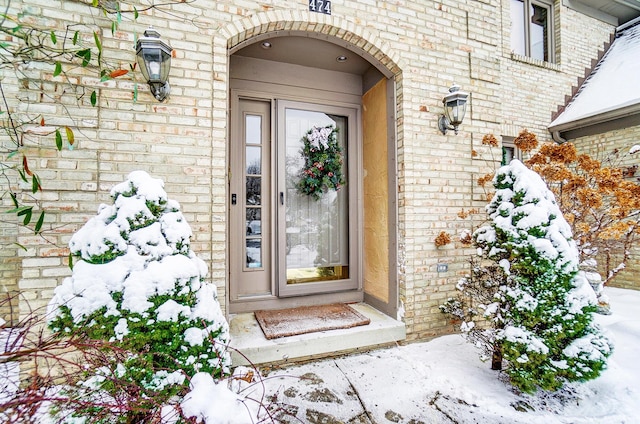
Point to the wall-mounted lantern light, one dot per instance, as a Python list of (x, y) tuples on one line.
[(455, 106), (154, 59)]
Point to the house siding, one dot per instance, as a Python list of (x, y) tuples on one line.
[(427, 45)]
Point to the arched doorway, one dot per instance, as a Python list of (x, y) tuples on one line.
[(287, 248)]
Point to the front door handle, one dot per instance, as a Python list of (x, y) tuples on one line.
[(234, 199), (282, 198)]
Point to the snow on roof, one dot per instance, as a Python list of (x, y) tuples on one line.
[(614, 82)]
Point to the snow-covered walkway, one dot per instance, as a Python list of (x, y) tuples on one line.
[(443, 381)]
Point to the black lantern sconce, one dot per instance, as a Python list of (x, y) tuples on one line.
[(455, 106), (154, 59)]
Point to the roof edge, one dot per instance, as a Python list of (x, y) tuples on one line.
[(629, 24), (575, 89), (604, 116), (607, 121)]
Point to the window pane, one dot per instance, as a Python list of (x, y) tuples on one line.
[(508, 154), (254, 224), (254, 253), (539, 32), (517, 27), (254, 190), (253, 158), (253, 126)]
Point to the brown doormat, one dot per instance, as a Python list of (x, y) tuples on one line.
[(308, 319)]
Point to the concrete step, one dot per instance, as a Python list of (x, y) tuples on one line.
[(249, 345)]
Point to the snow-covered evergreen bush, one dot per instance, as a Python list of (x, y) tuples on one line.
[(541, 314), (138, 287), (477, 299)]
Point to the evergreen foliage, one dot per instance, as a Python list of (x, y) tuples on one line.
[(140, 290), (323, 162), (541, 308)]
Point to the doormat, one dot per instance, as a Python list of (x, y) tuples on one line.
[(308, 319)]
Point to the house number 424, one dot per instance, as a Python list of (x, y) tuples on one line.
[(320, 6)]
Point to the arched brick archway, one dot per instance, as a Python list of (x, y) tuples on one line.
[(345, 34)]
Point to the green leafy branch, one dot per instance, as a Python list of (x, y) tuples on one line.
[(64, 50)]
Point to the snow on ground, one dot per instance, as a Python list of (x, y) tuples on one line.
[(443, 381), (9, 371), (440, 381)]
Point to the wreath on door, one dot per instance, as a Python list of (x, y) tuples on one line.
[(322, 170)]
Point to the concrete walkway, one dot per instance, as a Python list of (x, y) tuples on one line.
[(389, 385)]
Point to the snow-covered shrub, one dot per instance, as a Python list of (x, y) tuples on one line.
[(541, 313), (139, 289), (476, 301)]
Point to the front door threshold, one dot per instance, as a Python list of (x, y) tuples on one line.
[(250, 346)]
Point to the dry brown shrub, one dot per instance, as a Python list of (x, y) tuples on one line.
[(526, 141), (443, 239), (466, 237), (487, 178), (490, 140), (602, 208), (588, 164)]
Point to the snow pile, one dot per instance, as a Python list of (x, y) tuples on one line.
[(212, 402), (9, 371)]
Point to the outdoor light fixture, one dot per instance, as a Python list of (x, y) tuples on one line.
[(154, 59), (455, 106)]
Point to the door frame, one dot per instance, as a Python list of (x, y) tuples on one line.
[(273, 300), (236, 213)]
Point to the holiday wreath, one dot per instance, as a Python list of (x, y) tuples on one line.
[(322, 170)]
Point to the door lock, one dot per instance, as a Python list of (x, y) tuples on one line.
[(234, 199)]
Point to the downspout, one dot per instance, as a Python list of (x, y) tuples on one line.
[(555, 135)]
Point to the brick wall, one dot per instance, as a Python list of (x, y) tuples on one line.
[(601, 147), (10, 271), (428, 45)]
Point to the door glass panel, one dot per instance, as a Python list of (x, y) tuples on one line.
[(253, 160), (253, 195), (253, 127), (254, 190), (254, 253), (317, 236)]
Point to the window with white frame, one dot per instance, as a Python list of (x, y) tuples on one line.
[(509, 151), (532, 29)]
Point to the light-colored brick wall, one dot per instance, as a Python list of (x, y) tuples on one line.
[(10, 272), (602, 147), (427, 45)]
